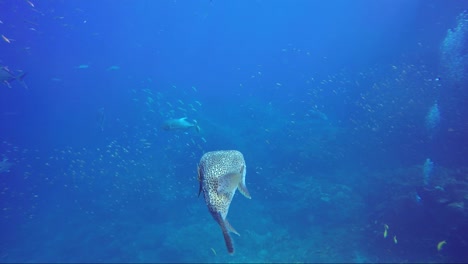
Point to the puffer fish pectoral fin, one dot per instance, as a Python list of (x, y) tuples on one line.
[(241, 187), (227, 237), (230, 228), (228, 182)]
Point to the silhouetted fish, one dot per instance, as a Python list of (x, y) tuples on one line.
[(7, 76), (179, 124), (220, 173), (101, 118)]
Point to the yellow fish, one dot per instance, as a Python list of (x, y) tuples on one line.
[(441, 244), (385, 233)]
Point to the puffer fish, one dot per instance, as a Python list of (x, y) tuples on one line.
[(220, 173), (179, 124)]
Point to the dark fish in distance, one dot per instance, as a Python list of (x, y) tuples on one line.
[(101, 118), (7, 76), (180, 124)]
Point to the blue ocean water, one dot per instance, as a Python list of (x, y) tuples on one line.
[(351, 116)]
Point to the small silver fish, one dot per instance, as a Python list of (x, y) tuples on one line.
[(5, 165), (220, 173)]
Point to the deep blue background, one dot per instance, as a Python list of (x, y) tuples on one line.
[(253, 71)]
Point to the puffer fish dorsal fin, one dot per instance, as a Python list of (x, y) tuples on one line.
[(199, 181), (242, 188), (228, 182), (200, 189)]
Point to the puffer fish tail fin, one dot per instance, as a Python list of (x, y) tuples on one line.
[(227, 237), (242, 188), (230, 228)]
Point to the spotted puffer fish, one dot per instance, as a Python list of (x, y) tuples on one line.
[(220, 173)]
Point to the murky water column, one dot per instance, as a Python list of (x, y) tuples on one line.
[(433, 120), (454, 51), (427, 171)]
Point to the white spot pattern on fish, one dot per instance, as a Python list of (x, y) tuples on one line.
[(220, 173)]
